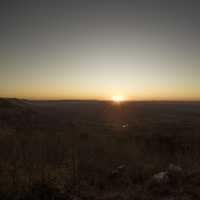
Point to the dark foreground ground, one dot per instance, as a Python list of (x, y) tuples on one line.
[(99, 150)]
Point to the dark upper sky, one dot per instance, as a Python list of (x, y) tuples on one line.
[(96, 49)]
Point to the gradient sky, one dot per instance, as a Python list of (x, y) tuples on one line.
[(80, 49)]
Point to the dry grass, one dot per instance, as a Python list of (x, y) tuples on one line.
[(69, 151)]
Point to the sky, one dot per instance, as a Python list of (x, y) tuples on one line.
[(81, 49)]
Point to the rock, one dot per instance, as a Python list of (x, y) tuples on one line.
[(175, 169), (121, 167), (124, 125), (118, 171), (172, 175), (176, 174), (161, 177)]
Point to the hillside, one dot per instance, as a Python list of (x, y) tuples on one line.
[(99, 150)]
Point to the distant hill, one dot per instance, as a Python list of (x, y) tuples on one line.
[(7, 103), (15, 113)]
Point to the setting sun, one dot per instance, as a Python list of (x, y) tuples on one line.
[(118, 98)]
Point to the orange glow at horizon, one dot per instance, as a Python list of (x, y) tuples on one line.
[(118, 99)]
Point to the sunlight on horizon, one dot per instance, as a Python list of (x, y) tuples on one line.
[(118, 99)]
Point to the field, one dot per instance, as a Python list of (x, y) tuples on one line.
[(99, 150)]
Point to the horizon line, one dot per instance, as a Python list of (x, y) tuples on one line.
[(104, 100)]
